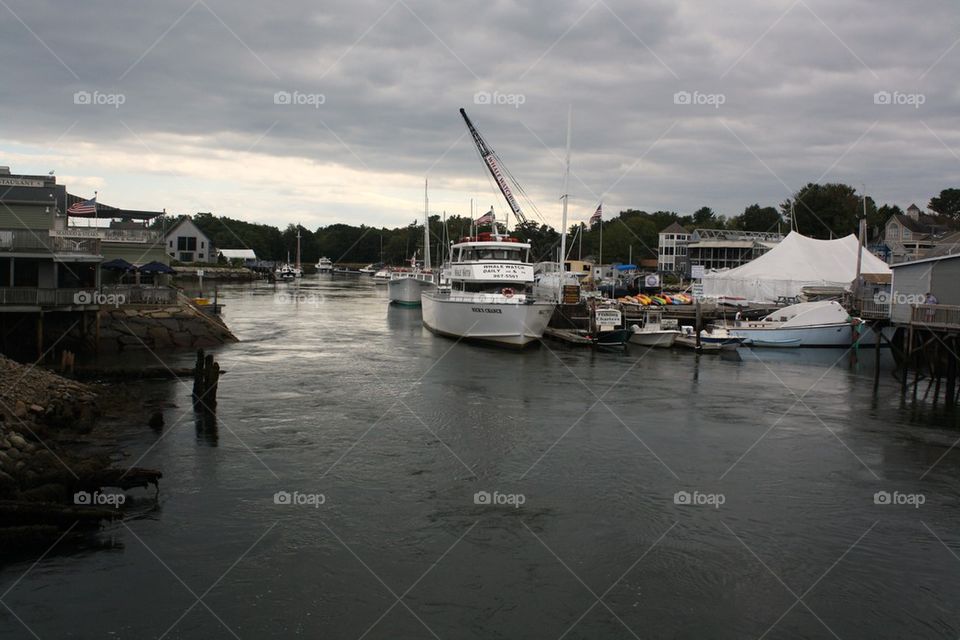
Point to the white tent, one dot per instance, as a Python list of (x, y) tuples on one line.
[(241, 254), (796, 262)]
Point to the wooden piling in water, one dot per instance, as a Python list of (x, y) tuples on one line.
[(206, 379)]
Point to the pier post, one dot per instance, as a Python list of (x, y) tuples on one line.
[(698, 324), (952, 372), (877, 329)]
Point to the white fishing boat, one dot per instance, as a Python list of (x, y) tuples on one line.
[(654, 331), (324, 265), (808, 324), (405, 287), (490, 298), (371, 269)]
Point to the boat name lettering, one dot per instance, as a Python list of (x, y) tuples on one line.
[(485, 310)]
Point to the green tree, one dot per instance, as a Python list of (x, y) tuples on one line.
[(705, 218), (825, 210), (756, 218), (947, 204)]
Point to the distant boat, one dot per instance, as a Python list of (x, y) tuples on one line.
[(654, 332), (371, 268), (289, 271), (382, 276), (324, 265), (406, 287)]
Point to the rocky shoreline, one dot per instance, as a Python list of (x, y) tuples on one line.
[(51, 479)]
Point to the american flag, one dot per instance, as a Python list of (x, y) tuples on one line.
[(85, 208), (597, 215), (487, 218)]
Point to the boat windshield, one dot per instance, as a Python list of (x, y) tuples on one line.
[(473, 254)]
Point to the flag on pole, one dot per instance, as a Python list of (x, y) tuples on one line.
[(597, 215), (85, 208), (487, 218)]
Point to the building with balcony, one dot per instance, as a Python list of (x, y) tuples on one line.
[(728, 248), (48, 264), (912, 235), (672, 249)]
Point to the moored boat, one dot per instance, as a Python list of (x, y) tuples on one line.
[(324, 265), (490, 299), (654, 331), (813, 324)]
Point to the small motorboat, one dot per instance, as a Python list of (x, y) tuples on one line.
[(324, 265), (655, 332)]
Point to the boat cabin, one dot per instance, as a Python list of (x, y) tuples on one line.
[(491, 264)]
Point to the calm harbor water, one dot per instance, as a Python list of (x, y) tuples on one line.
[(333, 396)]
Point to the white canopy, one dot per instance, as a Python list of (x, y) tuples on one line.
[(796, 262), (243, 254)]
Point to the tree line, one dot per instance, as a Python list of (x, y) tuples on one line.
[(819, 210)]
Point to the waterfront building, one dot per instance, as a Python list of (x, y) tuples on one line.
[(672, 249), (912, 235), (185, 242), (913, 280), (50, 271), (727, 248)]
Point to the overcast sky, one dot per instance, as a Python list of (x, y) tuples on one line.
[(324, 112)]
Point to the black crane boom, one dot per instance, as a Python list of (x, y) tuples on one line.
[(490, 159)]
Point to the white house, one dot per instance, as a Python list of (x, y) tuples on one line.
[(185, 242)]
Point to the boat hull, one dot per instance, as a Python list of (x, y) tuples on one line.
[(407, 291), (506, 323), (662, 339), (831, 335)]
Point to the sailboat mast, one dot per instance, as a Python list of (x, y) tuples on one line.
[(426, 228), (563, 236), (298, 245)]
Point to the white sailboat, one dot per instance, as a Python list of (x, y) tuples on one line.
[(405, 287), (289, 271)]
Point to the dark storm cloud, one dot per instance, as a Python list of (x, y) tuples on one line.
[(797, 81)]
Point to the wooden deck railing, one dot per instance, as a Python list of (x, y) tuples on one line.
[(939, 316), (116, 295)]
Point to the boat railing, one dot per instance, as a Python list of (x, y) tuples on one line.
[(940, 316)]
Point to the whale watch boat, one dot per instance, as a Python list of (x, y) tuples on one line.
[(490, 298)]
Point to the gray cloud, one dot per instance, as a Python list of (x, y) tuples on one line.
[(798, 87)]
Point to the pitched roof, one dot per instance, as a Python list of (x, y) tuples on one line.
[(926, 224), (675, 227)]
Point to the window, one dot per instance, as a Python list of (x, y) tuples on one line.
[(186, 243), (203, 246), (171, 244)]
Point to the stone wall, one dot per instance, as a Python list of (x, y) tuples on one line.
[(183, 326), (215, 273)]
